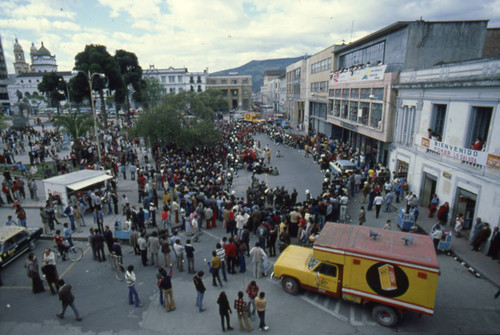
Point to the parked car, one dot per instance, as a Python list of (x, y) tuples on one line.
[(14, 241), (342, 166)]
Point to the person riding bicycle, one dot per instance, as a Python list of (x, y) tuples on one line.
[(59, 239)]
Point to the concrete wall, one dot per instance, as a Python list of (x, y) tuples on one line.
[(432, 42)]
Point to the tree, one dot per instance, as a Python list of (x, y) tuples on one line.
[(51, 85), (132, 75), (151, 92), (75, 125), (96, 59), (19, 95), (182, 120)]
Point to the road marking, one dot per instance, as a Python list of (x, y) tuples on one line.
[(337, 306), (323, 308), (352, 318), (73, 264)]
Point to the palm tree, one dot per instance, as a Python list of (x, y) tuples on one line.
[(75, 125)]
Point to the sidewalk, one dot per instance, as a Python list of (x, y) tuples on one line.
[(482, 265)]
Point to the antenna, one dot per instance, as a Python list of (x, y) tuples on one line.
[(352, 27)]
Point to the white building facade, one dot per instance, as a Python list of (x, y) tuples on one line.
[(442, 111), (177, 80)]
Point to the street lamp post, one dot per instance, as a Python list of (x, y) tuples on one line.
[(90, 78), (67, 92)]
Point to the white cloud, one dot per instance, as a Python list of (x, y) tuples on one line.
[(218, 34)]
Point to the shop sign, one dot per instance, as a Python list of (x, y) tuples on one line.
[(446, 175), (461, 153), (348, 126), (366, 74)]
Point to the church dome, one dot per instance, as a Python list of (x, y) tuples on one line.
[(43, 51)]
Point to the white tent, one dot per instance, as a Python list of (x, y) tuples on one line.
[(73, 182)]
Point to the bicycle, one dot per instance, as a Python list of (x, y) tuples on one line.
[(116, 266), (73, 253)]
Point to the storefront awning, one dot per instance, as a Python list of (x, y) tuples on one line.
[(89, 182)]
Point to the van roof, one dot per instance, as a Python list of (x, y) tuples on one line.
[(8, 232), (355, 240)]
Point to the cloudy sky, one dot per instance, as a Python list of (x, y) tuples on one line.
[(214, 34)]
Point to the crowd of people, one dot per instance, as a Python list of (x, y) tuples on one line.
[(190, 191)]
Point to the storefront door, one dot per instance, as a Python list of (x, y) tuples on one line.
[(466, 205), (428, 189)]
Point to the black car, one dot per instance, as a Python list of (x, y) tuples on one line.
[(14, 241)]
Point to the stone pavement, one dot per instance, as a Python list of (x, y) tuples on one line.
[(479, 263)]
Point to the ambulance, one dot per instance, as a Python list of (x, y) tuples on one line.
[(391, 271)]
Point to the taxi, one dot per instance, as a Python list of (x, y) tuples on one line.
[(14, 241)]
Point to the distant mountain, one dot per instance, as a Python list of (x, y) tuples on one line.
[(256, 69)]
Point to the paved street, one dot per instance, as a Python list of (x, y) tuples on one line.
[(464, 303)]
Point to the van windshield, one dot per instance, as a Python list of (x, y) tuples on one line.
[(312, 263)]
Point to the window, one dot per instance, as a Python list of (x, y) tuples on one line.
[(479, 124), (438, 119), (336, 108), (376, 120), (163, 79), (327, 270), (234, 93), (365, 93), (172, 90), (345, 109), (363, 113), (199, 88), (353, 115), (224, 81), (345, 93), (378, 93), (224, 93), (234, 82), (355, 93), (323, 86), (405, 125), (338, 93), (179, 79), (373, 54), (181, 89), (171, 79), (199, 80), (245, 81)]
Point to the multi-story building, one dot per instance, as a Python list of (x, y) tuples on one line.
[(320, 65), (178, 80), (278, 93), (268, 87), (447, 136), (296, 91), (236, 89), (362, 98), (4, 80)]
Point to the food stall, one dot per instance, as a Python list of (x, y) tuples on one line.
[(64, 185)]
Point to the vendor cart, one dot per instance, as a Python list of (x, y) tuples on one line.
[(445, 242), (405, 221), (122, 232)]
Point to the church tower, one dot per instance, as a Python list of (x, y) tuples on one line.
[(33, 51), (20, 65)]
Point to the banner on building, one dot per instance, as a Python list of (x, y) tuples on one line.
[(368, 73), (461, 153)]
